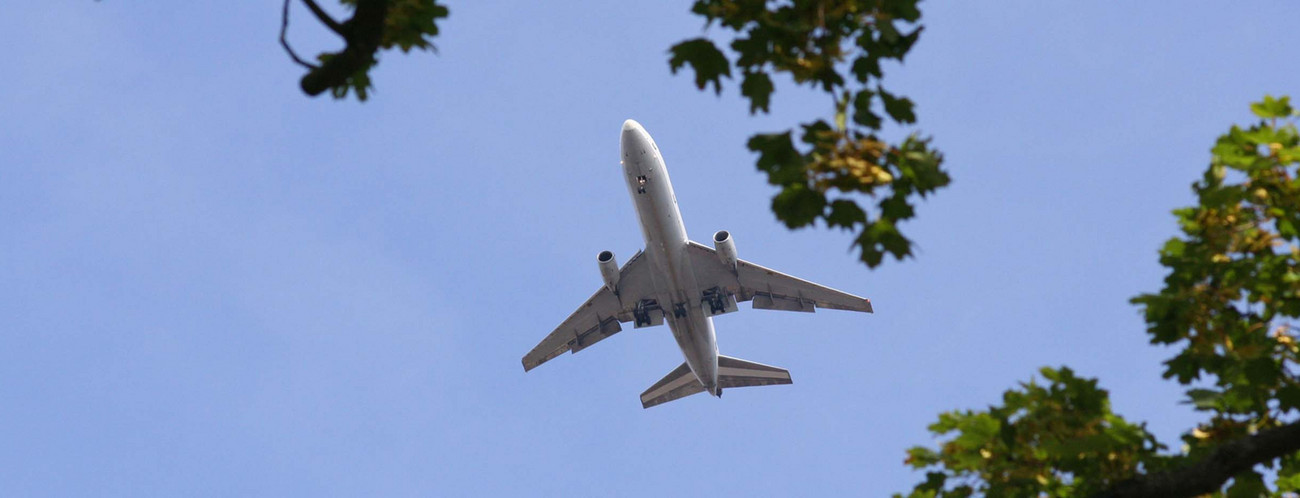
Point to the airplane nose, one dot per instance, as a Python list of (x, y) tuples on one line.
[(632, 136), (632, 131)]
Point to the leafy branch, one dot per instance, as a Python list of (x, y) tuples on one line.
[(836, 46), (1233, 459), (374, 25)]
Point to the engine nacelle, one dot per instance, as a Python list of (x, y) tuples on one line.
[(608, 269), (726, 248)]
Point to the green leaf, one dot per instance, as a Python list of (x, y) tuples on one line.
[(1204, 399), (1288, 474), (1263, 372), (1050, 374), (888, 33), (778, 157), (920, 457), (798, 206), (1007, 433), (904, 10), (703, 56), (1271, 108), (758, 87), (1288, 398), (948, 422), (896, 208), (862, 113), (899, 108), (411, 24), (358, 82), (1173, 248), (904, 43), (818, 132), (845, 213), (1184, 367), (880, 237), (1287, 229), (865, 67), (933, 481)]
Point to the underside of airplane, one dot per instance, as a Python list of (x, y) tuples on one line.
[(684, 284)]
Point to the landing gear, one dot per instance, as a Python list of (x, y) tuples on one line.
[(641, 314), (647, 313), (718, 301), (714, 298), (679, 310)]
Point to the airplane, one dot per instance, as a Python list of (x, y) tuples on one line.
[(683, 283)]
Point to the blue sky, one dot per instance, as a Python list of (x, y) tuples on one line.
[(213, 285)]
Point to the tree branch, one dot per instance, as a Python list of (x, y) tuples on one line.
[(284, 28), (324, 17), (1209, 474), (363, 31)]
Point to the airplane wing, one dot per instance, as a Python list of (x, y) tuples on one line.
[(599, 317), (769, 289)]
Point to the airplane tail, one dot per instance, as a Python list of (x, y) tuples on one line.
[(732, 372), (679, 383), (735, 372)]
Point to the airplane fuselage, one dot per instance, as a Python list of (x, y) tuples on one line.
[(665, 248), (685, 284)]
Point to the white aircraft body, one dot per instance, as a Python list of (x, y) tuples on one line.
[(683, 283)]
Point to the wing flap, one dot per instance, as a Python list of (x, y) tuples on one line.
[(768, 288), (608, 326), (769, 301)]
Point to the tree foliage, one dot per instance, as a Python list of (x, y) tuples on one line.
[(1230, 304), (825, 167), (1058, 439)]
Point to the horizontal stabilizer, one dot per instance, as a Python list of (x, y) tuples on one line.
[(732, 372), (735, 372), (679, 383)]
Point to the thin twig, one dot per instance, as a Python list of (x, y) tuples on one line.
[(284, 28), (325, 18)]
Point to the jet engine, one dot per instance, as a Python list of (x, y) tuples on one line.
[(725, 247), (608, 269)]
